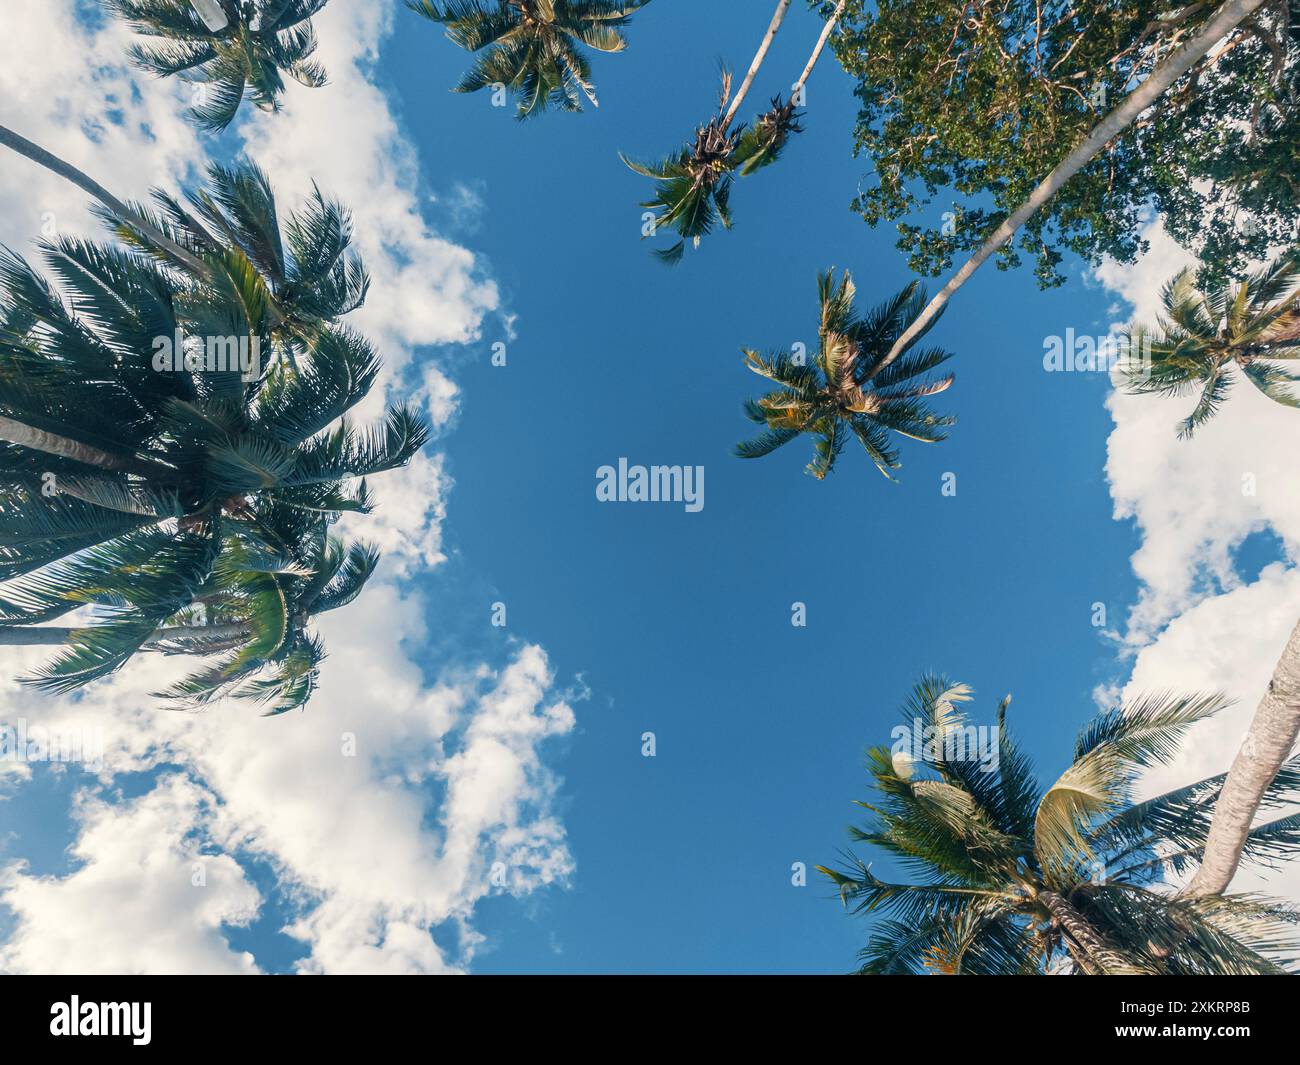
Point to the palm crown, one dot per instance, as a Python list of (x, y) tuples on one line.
[(1014, 879), (844, 391), (232, 47), (255, 614), (533, 47), (121, 483), (693, 191), (293, 278), (1201, 337)]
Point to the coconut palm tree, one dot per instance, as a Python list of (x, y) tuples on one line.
[(843, 392), (1015, 879), (268, 663), (1202, 338), (114, 439), (693, 186), (232, 48), (533, 47), (299, 276), (253, 608), (1229, 15), (693, 191)]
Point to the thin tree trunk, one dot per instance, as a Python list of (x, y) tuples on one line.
[(1229, 15), (88, 184), (47, 636), (827, 30), (1268, 744), (781, 8), (15, 432)]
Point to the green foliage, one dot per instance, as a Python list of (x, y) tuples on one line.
[(844, 390), (1009, 878), (262, 41), (693, 187), (533, 47), (1202, 337), (213, 462), (966, 107)]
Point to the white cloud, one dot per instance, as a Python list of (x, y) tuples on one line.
[(144, 898), (1198, 624)]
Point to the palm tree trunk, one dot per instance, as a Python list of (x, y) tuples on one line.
[(1232, 13), (83, 181), (827, 30), (781, 8), (1268, 743), (15, 432), (45, 636)]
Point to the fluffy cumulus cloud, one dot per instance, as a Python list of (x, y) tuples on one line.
[(402, 796), (1199, 622)]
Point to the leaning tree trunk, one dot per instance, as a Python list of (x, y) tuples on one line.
[(1268, 744), (827, 30), (766, 46), (85, 182), (1231, 14), (15, 432), (48, 636)]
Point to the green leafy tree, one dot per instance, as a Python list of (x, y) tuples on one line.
[(978, 101), (150, 468), (842, 392), (1010, 878), (535, 48), (231, 48), (1202, 338)]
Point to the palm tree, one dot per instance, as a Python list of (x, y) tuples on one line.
[(298, 277), (533, 47), (149, 466), (328, 575), (253, 608), (693, 191), (693, 186), (845, 391), (1014, 879), (1202, 337), (1229, 15), (234, 48)]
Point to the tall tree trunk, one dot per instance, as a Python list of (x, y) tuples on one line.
[(1268, 743), (827, 30), (48, 636), (1232, 13), (15, 432), (83, 181), (766, 46)]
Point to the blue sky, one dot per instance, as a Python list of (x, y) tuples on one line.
[(654, 619)]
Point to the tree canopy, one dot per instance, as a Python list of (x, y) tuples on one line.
[(965, 106)]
